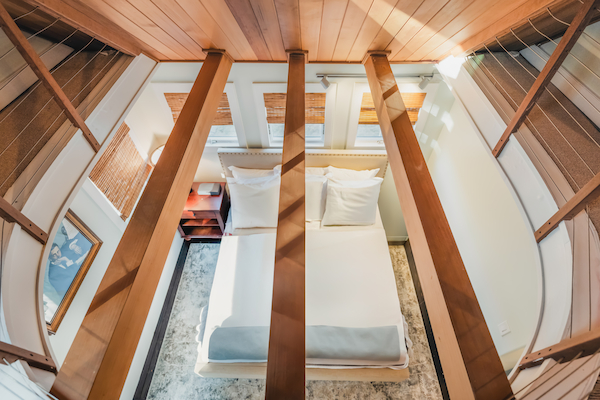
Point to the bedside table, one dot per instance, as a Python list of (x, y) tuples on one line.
[(204, 217)]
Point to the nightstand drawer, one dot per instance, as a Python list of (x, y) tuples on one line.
[(197, 214)]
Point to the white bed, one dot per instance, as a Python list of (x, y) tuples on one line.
[(349, 283)]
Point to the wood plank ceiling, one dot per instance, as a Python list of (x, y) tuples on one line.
[(331, 30)]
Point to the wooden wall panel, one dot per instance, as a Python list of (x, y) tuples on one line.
[(426, 11), (333, 16), (244, 15), (189, 19), (98, 361), (474, 10), (356, 14), (288, 14), (218, 11), (452, 9), (129, 26), (266, 15), (311, 14), (380, 11), (401, 13), (95, 25), (331, 30), (166, 20), (492, 22)]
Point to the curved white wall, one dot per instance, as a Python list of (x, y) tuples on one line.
[(494, 240), (530, 194), (47, 205)]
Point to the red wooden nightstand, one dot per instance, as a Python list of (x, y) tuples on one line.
[(204, 217)]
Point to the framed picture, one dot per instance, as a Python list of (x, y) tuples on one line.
[(72, 252)]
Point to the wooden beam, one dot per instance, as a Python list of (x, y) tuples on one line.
[(99, 358), (467, 353), (92, 23), (581, 20), (564, 351), (588, 193), (13, 353), (287, 356), (37, 65), (12, 215)]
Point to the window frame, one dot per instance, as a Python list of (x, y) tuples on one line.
[(353, 118), (185, 87), (260, 88)]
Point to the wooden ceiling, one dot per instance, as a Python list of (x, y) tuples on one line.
[(331, 30)]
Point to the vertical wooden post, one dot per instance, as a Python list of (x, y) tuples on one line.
[(287, 356), (98, 361), (469, 359)]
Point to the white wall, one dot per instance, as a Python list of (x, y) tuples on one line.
[(490, 232), (95, 217)]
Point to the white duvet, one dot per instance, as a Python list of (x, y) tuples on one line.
[(349, 283)]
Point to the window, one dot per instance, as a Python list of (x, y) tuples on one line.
[(315, 117), (368, 124), (270, 102), (227, 128), (121, 172), (222, 130), (364, 130)]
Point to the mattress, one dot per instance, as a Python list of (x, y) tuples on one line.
[(350, 285)]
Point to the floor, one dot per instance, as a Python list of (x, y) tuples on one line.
[(174, 376)]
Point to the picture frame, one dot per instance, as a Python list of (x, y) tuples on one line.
[(72, 253)]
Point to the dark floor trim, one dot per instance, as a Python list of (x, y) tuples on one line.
[(426, 322), (150, 364)]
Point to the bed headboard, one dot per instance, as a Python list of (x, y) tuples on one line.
[(269, 158)]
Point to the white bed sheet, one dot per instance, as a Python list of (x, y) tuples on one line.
[(349, 283)]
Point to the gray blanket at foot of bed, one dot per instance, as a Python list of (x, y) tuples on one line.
[(251, 343)]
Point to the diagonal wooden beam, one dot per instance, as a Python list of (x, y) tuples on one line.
[(99, 358), (467, 353), (37, 65), (581, 20), (287, 356), (586, 344), (588, 193), (11, 214)]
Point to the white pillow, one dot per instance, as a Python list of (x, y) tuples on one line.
[(316, 171), (316, 189), (254, 202), (352, 202), (245, 173), (342, 174)]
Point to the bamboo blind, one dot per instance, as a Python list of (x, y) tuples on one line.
[(177, 100), (315, 108), (121, 172), (412, 101)]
